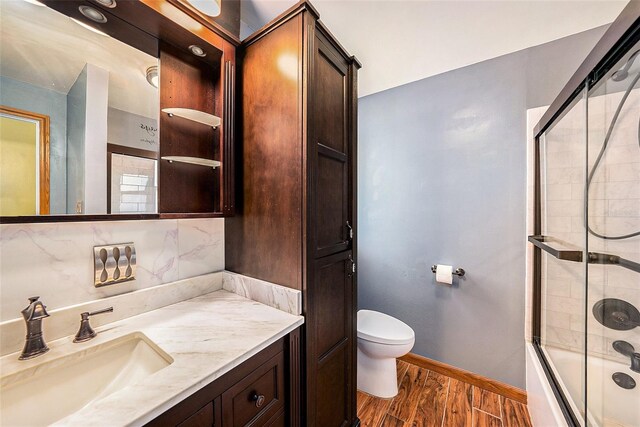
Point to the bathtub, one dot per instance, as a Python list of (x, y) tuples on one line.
[(608, 404)]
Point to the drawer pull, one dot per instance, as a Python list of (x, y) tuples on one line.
[(258, 398)]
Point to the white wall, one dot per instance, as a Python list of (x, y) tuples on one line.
[(95, 140)]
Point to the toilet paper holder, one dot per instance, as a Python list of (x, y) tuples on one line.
[(458, 271)]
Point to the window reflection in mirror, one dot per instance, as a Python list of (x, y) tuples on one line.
[(78, 118)]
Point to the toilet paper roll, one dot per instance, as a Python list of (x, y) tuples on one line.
[(444, 274)]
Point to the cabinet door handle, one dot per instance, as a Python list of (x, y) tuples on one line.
[(258, 398), (352, 268), (349, 231)]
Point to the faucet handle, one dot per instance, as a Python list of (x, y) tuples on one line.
[(35, 310), (104, 310), (628, 350), (623, 348), (86, 332)]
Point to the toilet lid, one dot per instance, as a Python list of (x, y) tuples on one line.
[(382, 328)]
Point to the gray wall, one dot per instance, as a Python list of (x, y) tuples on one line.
[(442, 180), (32, 98)]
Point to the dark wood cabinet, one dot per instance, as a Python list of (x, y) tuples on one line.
[(295, 212), (330, 341), (202, 418), (259, 396), (263, 391), (329, 144)]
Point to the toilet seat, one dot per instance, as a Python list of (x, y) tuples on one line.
[(383, 329)]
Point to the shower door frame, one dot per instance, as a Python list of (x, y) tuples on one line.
[(623, 33)]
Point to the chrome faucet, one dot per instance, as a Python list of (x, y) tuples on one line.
[(628, 350), (34, 344)]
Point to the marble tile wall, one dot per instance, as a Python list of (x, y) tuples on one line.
[(614, 208), (55, 261)]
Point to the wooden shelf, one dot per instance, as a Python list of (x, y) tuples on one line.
[(561, 251), (192, 161), (194, 115)]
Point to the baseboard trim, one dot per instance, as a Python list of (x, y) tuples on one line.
[(506, 390)]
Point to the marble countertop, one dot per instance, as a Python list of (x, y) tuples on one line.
[(206, 336)]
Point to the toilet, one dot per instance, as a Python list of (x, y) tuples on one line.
[(381, 339)]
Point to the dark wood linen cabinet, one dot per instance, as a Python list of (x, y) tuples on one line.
[(296, 202)]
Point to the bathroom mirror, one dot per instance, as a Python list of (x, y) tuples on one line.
[(79, 124)]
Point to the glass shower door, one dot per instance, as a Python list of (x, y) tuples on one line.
[(563, 157), (613, 234)]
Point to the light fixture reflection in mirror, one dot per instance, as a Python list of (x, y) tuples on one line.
[(197, 50), (288, 65), (208, 7), (93, 14), (152, 75), (106, 3), (89, 27)]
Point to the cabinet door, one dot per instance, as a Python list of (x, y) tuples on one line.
[(330, 151), (257, 397), (330, 342)]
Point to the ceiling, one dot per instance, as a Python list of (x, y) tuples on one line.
[(47, 49), (400, 41)]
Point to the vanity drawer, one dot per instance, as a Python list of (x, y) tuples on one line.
[(202, 418), (257, 397)]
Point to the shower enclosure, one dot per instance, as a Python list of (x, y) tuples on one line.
[(586, 323)]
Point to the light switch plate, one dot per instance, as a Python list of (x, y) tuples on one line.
[(114, 263)]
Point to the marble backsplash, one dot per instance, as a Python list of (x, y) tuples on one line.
[(276, 296), (55, 261), (65, 321)]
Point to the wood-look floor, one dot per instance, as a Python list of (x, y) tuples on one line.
[(426, 398)]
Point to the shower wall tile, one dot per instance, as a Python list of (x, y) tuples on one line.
[(559, 191), (625, 172), (624, 208), (614, 209), (558, 319), (55, 261)]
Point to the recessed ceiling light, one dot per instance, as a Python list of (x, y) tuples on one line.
[(152, 76), (89, 27), (197, 50), (94, 14), (208, 7), (106, 3)]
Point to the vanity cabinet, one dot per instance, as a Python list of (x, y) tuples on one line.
[(263, 391), (295, 217)]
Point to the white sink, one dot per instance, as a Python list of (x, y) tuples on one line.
[(47, 392)]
